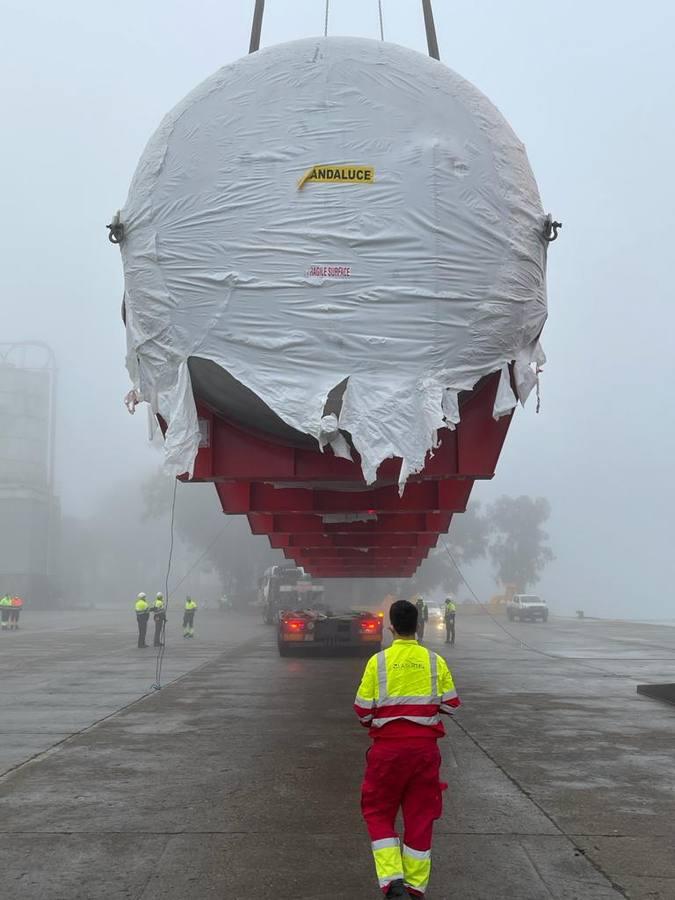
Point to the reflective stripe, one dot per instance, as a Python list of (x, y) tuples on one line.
[(389, 878), (449, 695), (417, 887), (382, 675), (388, 862), (414, 701), (416, 854), (363, 703), (385, 842), (433, 665), (419, 720)]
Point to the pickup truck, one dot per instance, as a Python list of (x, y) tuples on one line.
[(526, 607)]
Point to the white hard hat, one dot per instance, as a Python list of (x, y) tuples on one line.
[(141, 596), (160, 595)]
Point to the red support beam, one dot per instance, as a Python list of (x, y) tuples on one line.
[(371, 553), (229, 454), (451, 496), (323, 572), (385, 523), (402, 541), (480, 437), (317, 508)]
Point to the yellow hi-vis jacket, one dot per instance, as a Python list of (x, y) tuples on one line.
[(190, 605), (404, 691), (141, 606)]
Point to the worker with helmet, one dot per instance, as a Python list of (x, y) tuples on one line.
[(403, 693), (159, 618), (5, 605), (422, 617), (189, 618), (449, 610), (142, 615), (16, 605)]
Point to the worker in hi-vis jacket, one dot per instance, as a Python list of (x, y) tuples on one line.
[(403, 693), (159, 618), (142, 608), (189, 618)]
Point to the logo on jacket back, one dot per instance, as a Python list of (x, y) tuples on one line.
[(408, 665), (332, 174)]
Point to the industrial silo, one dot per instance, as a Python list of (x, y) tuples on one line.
[(28, 519)]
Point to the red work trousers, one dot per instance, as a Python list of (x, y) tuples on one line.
[(403, 774)]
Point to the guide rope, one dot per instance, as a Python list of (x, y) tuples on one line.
[(174, 587), (157, 686), (522, 643)]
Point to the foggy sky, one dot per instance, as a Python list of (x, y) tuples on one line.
[(587, 87)]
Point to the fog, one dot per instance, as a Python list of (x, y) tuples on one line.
[(587, 87)]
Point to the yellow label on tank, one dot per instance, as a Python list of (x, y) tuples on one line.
[(331, 174)]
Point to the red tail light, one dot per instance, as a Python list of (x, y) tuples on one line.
[(370, 625), (294, 624)]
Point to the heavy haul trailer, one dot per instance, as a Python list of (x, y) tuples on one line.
[(322, 630), (341, 360)]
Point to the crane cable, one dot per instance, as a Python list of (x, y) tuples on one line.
[(379, 9)]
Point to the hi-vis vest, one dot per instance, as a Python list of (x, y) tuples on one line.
[(405, 681), (450, 607), (142, 606), (6, 600), (190, 605)]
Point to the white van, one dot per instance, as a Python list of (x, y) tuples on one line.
[(526, 607)]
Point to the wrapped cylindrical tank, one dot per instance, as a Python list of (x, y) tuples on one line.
[(329, 240)]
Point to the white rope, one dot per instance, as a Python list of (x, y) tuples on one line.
[(379, 7), (325, 25)]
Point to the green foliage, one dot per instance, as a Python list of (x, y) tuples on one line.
[(467, 540), (518, 548), (237, 556), (509, 532)]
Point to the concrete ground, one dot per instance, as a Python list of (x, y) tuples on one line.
[(240, 778)]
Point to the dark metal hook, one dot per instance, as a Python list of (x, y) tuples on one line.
[(551, 229)]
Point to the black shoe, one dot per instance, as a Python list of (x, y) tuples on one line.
[(397, 889)]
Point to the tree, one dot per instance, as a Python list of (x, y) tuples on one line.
[(238, 556), (466, 541), (518, 547)]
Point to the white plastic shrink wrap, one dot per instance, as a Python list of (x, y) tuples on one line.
[(333, 209)]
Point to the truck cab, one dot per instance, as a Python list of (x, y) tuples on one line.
[(277, 590)]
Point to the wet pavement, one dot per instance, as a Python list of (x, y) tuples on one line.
[(240, 778)]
